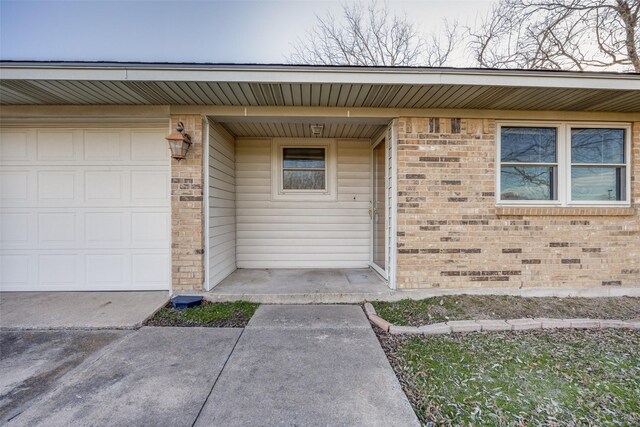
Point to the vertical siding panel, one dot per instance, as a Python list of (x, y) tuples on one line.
[(222, 205)]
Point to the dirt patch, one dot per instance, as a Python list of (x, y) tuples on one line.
[(471, 307), (209, 314)]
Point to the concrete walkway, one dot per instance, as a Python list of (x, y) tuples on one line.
[(308, 365), (78, 310), (293, 365)]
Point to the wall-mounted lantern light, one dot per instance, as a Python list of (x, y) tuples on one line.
[(179, 142)]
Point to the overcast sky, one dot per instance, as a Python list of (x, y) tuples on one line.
[(259, 31)]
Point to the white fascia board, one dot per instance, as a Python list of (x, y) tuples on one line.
[(346, 76)]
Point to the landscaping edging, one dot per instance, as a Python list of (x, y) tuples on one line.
[(496, 325)]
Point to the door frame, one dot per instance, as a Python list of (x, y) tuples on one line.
[(382, 138)]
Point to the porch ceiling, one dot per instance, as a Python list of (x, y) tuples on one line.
[(289, 86), (275, 127)]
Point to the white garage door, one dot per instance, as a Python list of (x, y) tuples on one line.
[(84, 209)]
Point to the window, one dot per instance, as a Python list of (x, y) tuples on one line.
[(598, 169), (529, 163), (304, 169), (562, 164)]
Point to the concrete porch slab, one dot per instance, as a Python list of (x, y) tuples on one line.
[(311, 375), (78, 310), (300, 286), (154, 376)]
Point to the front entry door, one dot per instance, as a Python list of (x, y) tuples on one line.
[(378, 208)]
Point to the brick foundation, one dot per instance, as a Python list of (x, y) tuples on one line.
[(452, 235), (187, 210)]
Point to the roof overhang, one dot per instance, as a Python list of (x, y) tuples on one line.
[(34, 83)]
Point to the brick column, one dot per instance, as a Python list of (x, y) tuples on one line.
[(187, 210)]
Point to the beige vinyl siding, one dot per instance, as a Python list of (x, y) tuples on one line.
[(302, 234), (222, 205)]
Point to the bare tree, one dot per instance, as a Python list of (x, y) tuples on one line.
[(371, 35), (560, 34)]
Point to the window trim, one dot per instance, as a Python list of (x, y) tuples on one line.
[(302, 191), (564, 164), (330, 192)]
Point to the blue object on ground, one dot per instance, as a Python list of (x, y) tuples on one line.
[(185, 301)]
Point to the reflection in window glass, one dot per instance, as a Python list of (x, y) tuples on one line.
[(597, 184), (597, 146), (527, 183), (303, 180), (528, 145), (528, 170), (303, 158), (304, 168)]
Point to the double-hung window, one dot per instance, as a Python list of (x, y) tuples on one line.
[(563, 164), (529, 163), (304, 169), (598, 164)]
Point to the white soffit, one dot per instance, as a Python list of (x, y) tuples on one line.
[(369, 87)]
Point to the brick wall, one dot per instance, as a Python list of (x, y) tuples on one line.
[(450, 233), (187, 210)]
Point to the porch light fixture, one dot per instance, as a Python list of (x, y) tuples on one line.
[(179, 142), (316, 130)]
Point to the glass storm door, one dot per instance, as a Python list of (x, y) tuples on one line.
[(378, 211)]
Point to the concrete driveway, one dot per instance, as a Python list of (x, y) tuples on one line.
[(293, 365), (78, 310)]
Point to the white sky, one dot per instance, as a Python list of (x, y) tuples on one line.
[(241, 31)]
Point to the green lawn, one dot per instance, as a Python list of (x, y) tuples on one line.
[(469, 307), (589, 378), (222, 314)]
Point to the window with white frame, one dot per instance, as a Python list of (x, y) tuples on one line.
[(563, 164), (304, 169)]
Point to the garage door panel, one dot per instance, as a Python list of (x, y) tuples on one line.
[(149, 187), (15, 229), (150, 269), (14, 146), (58, 186), (145, 147), (58, 269), (104, 229), (93, 269), (58, 229), (16, 273), (57, 146), (105, 186), (101, 269), (14, 187), (150, 228), (84, 209)]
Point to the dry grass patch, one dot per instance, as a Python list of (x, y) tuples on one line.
[(568, 378), (471, 307)]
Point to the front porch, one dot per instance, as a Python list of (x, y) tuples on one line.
[(300, 286), (293, 216)]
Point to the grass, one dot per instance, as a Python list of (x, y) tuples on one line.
[(571, 378), (219, 314), (469, 307)]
